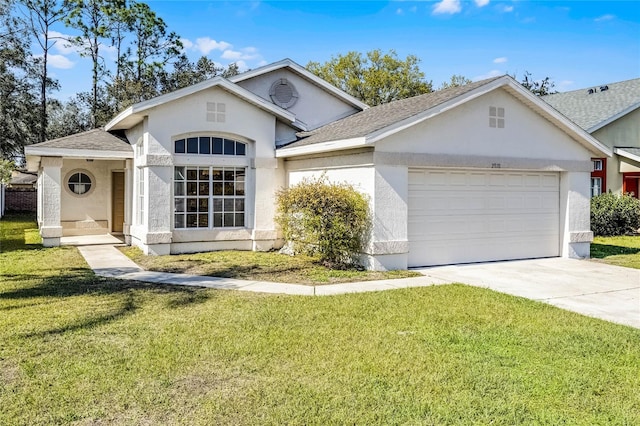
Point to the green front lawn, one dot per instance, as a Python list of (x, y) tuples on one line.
[(78, 349), (258, 266), (621, 251)]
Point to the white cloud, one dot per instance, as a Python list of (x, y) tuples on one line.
[(500, 60), (205, 45), (492, 73), (607, 17), (61, 62), (564, 85), (399, 11), (447, 7), (61, 45), (242, 66), (246, 54), (481, 3), (186, 44), (508, 9)]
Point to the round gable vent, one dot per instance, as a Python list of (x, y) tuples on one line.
[(283, 93)]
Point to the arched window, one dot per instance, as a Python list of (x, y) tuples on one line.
[(209, 146)]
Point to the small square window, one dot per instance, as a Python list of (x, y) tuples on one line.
[(597, 165)]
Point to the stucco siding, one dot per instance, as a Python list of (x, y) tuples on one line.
[(314, 107), (465, 131)]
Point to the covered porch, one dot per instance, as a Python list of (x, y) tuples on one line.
[(84, 186)]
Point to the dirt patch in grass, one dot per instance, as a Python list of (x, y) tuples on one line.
[(259, 266)]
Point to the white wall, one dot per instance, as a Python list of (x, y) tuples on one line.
[(315, 106)]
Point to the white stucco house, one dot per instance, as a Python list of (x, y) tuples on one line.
[(482, 172)]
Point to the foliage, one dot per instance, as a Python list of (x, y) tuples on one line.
[(375, 78), (538, 87), (6, 167), (79, 349), (456, 80), (67, 118), (613, 214), (331, 220)]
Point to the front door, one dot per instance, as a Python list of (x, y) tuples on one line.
[(117, 202), (630, 184)]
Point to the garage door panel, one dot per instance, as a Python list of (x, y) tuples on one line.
[(512, 215)]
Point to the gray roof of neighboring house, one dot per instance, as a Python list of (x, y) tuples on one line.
[(592, 111), (96, 139), (376, 118), (19, 177)]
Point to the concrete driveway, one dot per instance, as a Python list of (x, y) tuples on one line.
[(590, 288)]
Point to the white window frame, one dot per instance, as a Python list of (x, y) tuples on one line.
[(597, 165), (140, 198)]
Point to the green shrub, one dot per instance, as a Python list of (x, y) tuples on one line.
[(613, 214), (328, 220)]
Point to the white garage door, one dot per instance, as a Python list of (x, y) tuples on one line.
[(461, 216)]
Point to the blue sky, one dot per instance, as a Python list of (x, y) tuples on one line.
[(576, 43)]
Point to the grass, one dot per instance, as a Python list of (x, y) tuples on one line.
[(620, 251), (78, 349), (259, 266)]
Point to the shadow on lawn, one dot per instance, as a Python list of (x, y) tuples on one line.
[(601, 251), (15, 230), (82, 282)]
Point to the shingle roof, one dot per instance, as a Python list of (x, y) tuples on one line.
[(592, 110), (381, 116), (94, 140)]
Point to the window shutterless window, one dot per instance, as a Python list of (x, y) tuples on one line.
[(596, 186), (207, 145), (597, 165), (79, 183)]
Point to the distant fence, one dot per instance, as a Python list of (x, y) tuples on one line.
[(20, 200)]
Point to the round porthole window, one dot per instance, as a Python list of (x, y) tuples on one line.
[(283, 93), (79, 183)]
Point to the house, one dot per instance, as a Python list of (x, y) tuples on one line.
[(481, 172), (611, 114)]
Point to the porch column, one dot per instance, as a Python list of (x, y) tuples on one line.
[(50, 228), (575, 223)]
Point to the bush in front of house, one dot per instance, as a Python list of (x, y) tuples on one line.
[(613, 214), (324, 219)]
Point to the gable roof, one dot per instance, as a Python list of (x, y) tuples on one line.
[(592, 111), (95, 143), (366, 127), (304, 73), (135, 113)]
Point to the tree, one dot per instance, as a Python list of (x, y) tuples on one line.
[(186, 73), (67, 118), (374, 78), (538, 87), (94, 19), (456, 80), (6, 169), (18, 107), (41, 15)]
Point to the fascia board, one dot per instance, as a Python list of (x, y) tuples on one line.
[(626, 154), (613, 118), (76, 153), (317, 148), (216, 81)]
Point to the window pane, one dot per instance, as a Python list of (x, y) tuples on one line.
[(192, 204), (179, 204), (192, 220), (217, 220), (229, 175), (178, 188), (229, 147), (240, 175), (239, 205), (217, 146), (203, 220), (84, 178), (217, 188), (228, 204), (240, 148), (192, 174), (216, 174), (75, 178), (178, 173), (217, 205), (192, 188), (204, 174), (239, 219), (203, 205), (229, 188), (179, 146), (240, 188), (192, 145), (205, 145), (228, 219), (179, 221), (203, 188)]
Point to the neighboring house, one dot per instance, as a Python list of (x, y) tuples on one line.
[(611, 114), (20, 194), (23, 180), (486, 171)]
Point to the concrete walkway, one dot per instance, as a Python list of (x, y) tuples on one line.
[(595, 289), (108, 261)]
